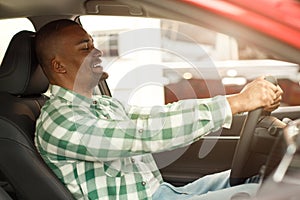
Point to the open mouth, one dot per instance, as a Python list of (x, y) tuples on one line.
[(96, 65)]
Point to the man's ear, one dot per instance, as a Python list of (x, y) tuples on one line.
[(57, 67)]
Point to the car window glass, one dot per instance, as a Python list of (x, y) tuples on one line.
[(158, 61), (9, 27)]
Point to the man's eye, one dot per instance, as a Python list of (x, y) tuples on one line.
[(85, 47)]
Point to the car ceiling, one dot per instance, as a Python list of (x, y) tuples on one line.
[(21, 8), (28, 8)]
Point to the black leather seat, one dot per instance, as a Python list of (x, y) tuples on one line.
[(22, 83), (4, 195)]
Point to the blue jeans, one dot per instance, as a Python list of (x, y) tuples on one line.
[(210, 187)]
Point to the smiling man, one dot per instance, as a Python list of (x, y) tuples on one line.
[(101, 149), (66, 54)]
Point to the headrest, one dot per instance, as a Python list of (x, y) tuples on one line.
[(20, 73)]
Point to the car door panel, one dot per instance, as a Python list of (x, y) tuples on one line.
[(216, 151)]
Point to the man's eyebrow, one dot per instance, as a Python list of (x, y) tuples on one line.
[(90, 39), (83, 41)]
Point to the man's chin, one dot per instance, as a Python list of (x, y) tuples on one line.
[(99, 77), (97, 70)]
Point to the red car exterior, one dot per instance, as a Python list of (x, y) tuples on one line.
[(281, 20)]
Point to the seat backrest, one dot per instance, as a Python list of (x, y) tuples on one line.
[(4, 195), (22, 84)]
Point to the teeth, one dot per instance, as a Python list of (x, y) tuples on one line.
[(96, 65)]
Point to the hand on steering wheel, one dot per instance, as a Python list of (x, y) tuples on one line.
[(239, 171)]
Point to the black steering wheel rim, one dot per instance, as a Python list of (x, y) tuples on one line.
[(242, 152)]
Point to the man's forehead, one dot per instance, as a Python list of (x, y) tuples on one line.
[(72, 28), (75, 33)]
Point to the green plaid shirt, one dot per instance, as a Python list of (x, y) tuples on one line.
[(102, 150)]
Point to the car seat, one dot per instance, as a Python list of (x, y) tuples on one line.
[(4, 195), (22, 84)]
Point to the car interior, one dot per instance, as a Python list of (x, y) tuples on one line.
[(255, 144)]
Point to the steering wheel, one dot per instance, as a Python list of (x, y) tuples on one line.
[(238, 173)]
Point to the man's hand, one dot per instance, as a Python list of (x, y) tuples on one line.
[(258, 93)]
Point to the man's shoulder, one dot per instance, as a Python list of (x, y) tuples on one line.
[(55, 105)]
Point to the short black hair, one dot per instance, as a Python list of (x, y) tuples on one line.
[(46, 41)]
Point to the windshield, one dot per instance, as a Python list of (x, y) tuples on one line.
[(165, 60)]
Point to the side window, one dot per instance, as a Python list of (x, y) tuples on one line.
[(9, 27), (158, 61)]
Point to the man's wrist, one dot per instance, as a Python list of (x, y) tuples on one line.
[(235, 104)]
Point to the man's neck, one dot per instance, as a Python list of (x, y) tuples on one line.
[(84, 91), (81, 87), (87, 92)]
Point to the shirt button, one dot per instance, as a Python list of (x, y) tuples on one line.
[(143, 183), (95, 102), (141, 130)]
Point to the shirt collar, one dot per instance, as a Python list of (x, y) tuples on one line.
[(71, 96)]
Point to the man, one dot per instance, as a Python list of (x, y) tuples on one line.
[(101, 150)]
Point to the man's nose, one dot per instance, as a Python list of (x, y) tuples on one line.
[(97, 52)]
